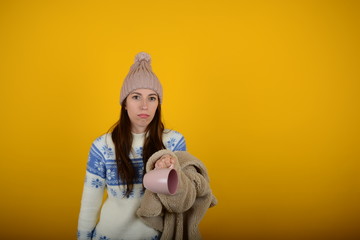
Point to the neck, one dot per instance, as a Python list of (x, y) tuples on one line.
[(138, 130)]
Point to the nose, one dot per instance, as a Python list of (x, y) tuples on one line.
[(144, 104)]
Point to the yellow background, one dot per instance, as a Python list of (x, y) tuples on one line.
[(265, 92)]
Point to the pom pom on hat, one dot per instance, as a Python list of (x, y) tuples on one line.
[(141, 76), (142, 56)]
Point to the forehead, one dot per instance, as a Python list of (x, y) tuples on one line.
[(143, 91)]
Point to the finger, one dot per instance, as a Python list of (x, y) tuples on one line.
[(167, 162), (159, 164)]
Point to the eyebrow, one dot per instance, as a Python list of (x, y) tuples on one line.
[(151, 94)]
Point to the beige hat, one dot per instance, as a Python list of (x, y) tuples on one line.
[(141, 76)]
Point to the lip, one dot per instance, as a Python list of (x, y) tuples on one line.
[(143, 115)]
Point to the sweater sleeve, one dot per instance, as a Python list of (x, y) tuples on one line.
[(180, 144), (175, 141), (93, 192)]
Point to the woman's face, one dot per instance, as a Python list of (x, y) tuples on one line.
[(141, 105)]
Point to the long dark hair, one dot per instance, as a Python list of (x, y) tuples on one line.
[(122, 138)]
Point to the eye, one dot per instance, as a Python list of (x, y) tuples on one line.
[(135, 97), (152, 98)]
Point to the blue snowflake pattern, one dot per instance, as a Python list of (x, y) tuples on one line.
[(110, 174), (139, 151), (123, 193), (113, 192), (78, 234), (171, 142), (140, 171), (156, 238), (108, 152), (131, 194), (104, 238), (96, 183), (99, 166), (89, 234), (99, 138)]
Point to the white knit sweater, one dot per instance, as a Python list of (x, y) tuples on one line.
[(118, 218)]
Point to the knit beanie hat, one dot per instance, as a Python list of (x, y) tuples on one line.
[(141, 76)]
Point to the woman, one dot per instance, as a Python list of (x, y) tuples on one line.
[(117, 160)]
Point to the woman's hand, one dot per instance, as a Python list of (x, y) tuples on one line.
[(166, 161)]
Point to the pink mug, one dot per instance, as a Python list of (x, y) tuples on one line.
[(162, 180)]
